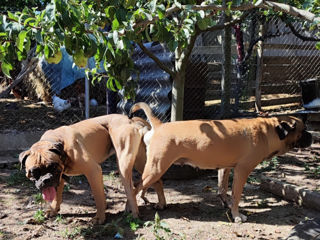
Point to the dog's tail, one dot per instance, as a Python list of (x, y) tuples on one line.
[(147, 110)]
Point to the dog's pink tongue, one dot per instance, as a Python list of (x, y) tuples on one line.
[(49, 193)]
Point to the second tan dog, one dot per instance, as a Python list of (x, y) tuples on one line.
[(79, 149), (240, 144)]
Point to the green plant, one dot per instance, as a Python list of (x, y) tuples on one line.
[(306, 167), (38, 198), (71, 234), (66, 187), (134, 223), (268, 165), (158, 227), (17, 178), (39, 216), (253, 179), (315, 172), (110, 177), (59, 219)]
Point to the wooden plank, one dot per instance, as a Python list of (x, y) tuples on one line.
[(291, 60), (289, 46)]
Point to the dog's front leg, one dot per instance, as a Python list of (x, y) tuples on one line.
[(55, 205), (241, 173), (94, 176), (223, 181)]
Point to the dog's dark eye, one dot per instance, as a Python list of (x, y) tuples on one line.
[(35, 173), (52, 167)]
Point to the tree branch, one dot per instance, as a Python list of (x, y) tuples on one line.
[(293, 11), (157, 60), (264, 4), (297, 34)]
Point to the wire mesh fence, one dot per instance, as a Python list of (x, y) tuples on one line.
[(53, 95)]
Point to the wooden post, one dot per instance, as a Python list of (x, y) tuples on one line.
[(259, 71)]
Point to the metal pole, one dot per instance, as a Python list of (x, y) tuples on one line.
[(86, 98)]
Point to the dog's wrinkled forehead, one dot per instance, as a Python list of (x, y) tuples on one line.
[(42, 153)]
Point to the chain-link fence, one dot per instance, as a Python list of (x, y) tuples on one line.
[(267, 75)]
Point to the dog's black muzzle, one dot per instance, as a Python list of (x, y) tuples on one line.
[(305, 140), (45, 176), (47, 180)]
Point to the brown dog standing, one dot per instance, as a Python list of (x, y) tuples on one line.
[(79, 149), (240, 144)]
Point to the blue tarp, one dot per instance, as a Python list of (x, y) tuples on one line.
[(64, 73)]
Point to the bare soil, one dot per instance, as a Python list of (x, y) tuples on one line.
[(194, 210)]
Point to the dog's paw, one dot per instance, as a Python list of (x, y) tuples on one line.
[(98, 220), (159, 206), (51, 213), (240, 219), (225, 201)]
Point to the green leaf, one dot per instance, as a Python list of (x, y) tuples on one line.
[(318, 45), (29, 21), (46, 51), (110, 84), (21, 37), (6, 68), (110, 47), (118, 85), (115, 24), (110, 11), (12, 16)]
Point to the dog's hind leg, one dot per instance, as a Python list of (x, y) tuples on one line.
[(223, 181), (127, 150), (158, 187)]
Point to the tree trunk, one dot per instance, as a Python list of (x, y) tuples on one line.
[(226, 69), (178, 91), (259, 71)]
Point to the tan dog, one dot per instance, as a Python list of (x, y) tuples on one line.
[(240, 144), (79, 149)]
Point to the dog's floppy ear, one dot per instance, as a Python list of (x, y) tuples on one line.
[(284, 128), (282, 133), (289, 126), (23, 157)]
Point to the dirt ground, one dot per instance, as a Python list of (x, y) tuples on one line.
[(193, 212), (26, 115)]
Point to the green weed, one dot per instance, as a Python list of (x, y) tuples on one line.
[(59, 219), (71, 234), (39, 216), (17, 178), (134, 223), (38, 198), (161, 229)]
